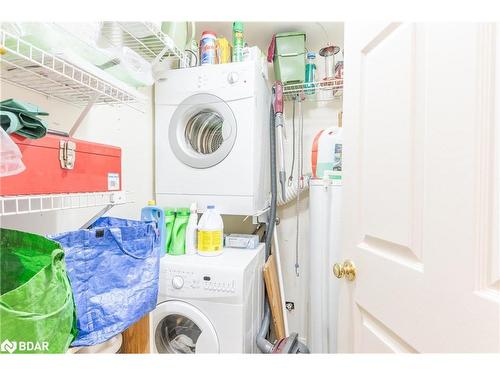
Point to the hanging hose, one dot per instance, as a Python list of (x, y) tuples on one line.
[(290, 192), (262, 343)]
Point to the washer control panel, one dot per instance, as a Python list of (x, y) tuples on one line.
[(226, 78), (190, 283), (225, 286)]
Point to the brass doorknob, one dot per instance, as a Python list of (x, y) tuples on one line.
[(347, 270)]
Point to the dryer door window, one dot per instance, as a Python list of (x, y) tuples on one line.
[(202, 131), (180, 328)]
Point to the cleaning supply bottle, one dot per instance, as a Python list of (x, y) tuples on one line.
[(178, 246), (310, 73), (154, 213), (169, 224), (237, 41), (191, 231), (210, 232)]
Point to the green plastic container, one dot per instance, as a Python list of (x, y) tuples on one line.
[(37, 311), (178, 246), (169, 225), (290, 57)]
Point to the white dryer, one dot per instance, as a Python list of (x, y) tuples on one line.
[(212, 137), (209, 304)]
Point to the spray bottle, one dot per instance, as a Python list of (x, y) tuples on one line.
[(192, 231)]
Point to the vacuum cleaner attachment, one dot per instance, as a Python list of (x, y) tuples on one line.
[(289, 344)]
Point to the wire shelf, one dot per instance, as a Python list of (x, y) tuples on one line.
[(25, 204), (145, 38), (325, 90), (25, 65)]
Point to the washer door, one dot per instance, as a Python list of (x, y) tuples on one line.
[(181, 328), (202, 131)]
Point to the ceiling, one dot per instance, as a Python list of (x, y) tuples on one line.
[(318, 34)]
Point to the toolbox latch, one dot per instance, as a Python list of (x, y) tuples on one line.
[(67, 154)]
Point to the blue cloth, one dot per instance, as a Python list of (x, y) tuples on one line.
[(113, 268)]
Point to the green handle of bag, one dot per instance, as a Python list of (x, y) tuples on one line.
[(56, 269)]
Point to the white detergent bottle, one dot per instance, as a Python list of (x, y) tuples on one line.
[(191, 231), (210, 233)]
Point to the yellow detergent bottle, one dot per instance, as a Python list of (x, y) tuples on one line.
[(210, 233)]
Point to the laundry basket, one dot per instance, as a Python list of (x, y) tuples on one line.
[(113, 268), (289, 57), (37, 313)]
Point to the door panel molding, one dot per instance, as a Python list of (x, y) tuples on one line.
[(391, 214), (387, 339), (386, 31), (486, 176), (392, 251)]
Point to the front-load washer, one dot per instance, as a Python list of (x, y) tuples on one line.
[(209, 304), (212, 137)]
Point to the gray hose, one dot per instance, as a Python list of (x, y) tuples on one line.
[(265, 346), (274, 187), (262, 343)]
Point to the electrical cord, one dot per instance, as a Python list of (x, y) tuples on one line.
[(300, 184)]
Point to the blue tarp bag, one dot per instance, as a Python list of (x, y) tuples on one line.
[(113, 268)]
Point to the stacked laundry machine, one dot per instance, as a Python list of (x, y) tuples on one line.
[(212, 147)]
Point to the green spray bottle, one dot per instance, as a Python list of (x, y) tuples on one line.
[(178, 246), (238, 42), (169, 224)]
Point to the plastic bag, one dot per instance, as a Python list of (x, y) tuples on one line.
[(10, 156), (37, 312), (130, 67), (113, 268)]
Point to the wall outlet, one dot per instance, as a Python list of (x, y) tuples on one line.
[(290, 305)]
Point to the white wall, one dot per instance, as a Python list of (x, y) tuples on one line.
[(133, 131), (117, 125)]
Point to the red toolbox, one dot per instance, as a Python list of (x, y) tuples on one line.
[(57, 164)]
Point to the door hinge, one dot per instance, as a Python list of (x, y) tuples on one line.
[(67, 154)]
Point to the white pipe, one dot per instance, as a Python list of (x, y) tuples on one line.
[(280, 279), (291, 193)]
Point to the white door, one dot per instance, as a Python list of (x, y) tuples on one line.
[(421, 164)]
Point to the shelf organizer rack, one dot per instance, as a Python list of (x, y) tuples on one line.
[(25, 204), (325, 90), (30, 67), (145, 38)]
